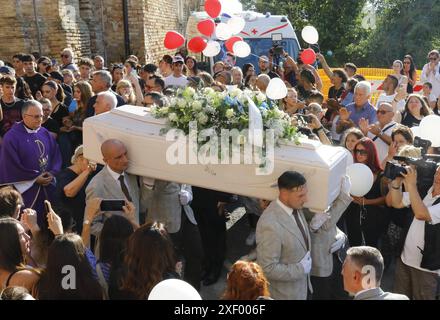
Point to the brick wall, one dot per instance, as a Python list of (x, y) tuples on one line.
[(90, 27)]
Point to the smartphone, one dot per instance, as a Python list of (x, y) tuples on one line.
[(46, 206), (112, 205), (305, 118)]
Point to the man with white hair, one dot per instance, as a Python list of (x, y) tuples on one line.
[(361, 108), (264, 65), (102, 82), (68, 60), (262, 82), (105, 101), (380, 132), (30, 158)]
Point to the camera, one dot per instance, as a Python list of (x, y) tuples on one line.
[(423, 144), (426, 168), (277, 46)]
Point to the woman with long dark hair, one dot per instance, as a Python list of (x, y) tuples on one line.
[(191, 66), (68, 250), (366, 220), (149, 259), (14, 251), (410, 71), (112, 246)]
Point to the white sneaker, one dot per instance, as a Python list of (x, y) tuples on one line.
[(250, 240)]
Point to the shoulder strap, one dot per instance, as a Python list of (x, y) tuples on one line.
[(10, 277), (389, 127)]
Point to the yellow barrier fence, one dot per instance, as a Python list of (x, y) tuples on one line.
[(374, 75)]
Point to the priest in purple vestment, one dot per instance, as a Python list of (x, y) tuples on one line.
[(30, 158)]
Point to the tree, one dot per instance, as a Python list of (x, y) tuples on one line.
[(403, 27), (337, 21)]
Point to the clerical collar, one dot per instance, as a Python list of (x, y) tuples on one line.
[(288, 210), (29, 130)]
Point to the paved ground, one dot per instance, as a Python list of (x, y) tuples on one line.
[(238, 230)]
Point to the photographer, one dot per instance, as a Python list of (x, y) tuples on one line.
[(310, 126), (264, 65), (411, 278)]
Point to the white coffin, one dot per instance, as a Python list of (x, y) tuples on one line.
[(323, 166)]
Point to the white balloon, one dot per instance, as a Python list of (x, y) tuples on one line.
[(310, 35), (173, 289), (223, 31), (212, 49), (236, 24), (241, 49), (416, 131), (231, 7), (361, 179), (276, 89), (429, 127), (350, 159)]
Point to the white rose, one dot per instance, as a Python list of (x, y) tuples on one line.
[(208, 91), (197, 106), (261, 97), (230, 113), (173, 117), (202, 118), (235, 93), (181, 103)]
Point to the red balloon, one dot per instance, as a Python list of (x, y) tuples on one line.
[(173, 40), (308, 56), (230, 42), (206, 27), (197, 44), (213, 8)]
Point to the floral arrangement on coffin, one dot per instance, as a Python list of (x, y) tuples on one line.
[(224, 110)]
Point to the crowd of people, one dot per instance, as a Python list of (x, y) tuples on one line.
[(54, 208)]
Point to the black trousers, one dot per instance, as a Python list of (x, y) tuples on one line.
[(332, 287), (187, 244), (212, 227)]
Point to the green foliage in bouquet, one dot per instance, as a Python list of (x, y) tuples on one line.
[(224, 110)]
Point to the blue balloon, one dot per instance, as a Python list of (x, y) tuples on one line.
[(329, 53)]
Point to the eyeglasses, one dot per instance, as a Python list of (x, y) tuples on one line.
[(64, 56), (382, 111), (37, 116), (44, 63), (361, 152), (432, 58), (407, 63)]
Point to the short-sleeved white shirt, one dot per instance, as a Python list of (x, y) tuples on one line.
[(415, 239)]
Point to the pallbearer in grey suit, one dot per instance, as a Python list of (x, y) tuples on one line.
[(327, 240), (112, 182), (283, 241), (169, 203), (362, 272)]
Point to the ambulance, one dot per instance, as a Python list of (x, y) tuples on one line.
[(260, 32)]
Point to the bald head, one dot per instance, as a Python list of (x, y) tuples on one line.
[(114, 154), (262, 82)]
